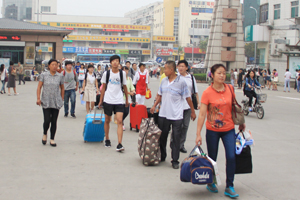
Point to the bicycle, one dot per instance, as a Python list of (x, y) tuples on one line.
[(258, 108)]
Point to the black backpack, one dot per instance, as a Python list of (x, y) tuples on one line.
[(121, 78)]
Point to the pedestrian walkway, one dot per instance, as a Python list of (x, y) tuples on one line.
[(77, 170)]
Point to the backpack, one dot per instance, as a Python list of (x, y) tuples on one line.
[(64, 73), (121, 78), (148, 143), (86, 76)]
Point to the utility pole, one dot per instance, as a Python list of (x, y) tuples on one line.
[(193, 41), (255, 42)]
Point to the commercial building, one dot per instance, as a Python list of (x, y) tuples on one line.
[(102, 35), (28, 9), (23, 41), (277, 35)]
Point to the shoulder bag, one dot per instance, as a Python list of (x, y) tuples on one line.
[(6, 77), (237, 111), (194, 98), (243, 161)]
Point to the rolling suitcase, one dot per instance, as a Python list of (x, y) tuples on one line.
[(137, 113), (94, 127)]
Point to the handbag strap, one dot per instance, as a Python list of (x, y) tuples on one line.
[(233, 99), (194, 149), (192, 77)]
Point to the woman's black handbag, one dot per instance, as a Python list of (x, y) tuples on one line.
[(194, 98), (243, 162)]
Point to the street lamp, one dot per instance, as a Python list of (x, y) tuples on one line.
[(193, 41), (255, 42)]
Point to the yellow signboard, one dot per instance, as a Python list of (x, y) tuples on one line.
[(146, 52), (94, 26), (108, 38), (164, 38)]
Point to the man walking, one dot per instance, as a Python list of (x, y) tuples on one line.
[(77, 67), (232, 77), (133, 70), (287, 80), (173, 90), (21, 73), (114, 83), (71, 86)]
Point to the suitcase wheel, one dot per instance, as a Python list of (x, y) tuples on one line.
[(136, 127), (130, 127)]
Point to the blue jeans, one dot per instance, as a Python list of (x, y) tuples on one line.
[(228, 139), (232, 82), (288, 82), (298, 86), (3, 86), (70, 94), (80, 83)]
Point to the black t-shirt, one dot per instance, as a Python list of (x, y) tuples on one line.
[(240, 76)]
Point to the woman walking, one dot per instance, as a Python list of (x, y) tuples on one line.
[(99, 74), (12, 72), (89, 89), (4, 75), (52, 98), (81, 75), (216, 104), (183, 68)]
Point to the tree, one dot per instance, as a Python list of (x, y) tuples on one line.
[(249, 50), (203, 44)]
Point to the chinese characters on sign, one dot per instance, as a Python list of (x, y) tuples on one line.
[(109, 38), (135, 52), (9, 38), (164, 38), (108, 51), (95, 51), (164, 52)]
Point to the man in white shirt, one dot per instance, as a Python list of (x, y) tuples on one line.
[(287, 81), (173, 90), (114, 83), (296, 81)]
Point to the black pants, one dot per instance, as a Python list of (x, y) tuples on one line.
[(21, 78), (165, 126), (251, 94), (240, 83), (126, 112), (50, 116)]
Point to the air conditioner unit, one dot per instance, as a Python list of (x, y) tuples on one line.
[(287, 42), (270, 23), (275, 50)]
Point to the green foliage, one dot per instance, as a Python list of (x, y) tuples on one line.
[(249, 49), (203, 44)]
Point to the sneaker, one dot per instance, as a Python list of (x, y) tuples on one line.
[(175, 165), (120, 148), (107, 143), (212, 188), (123, 128), (9, 94), (230, 192), (16, 94), (73, 116), (66, 115)]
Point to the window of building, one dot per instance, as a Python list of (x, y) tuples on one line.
[(45, 9), (28, 13), (164, 44), (264, 13), (295, 9), (277, 11), (202, 24)]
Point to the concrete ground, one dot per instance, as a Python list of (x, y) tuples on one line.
[(78, 170)]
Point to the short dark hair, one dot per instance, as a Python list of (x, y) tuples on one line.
[(287, 70), (142, 64), (91, 66), (11, 63), (114, 57), (125, 68), (184, 62), (52, 60), (68, 63), (133, 63), (215, 67), (78, 62), (172, 64), (248, 74), (127, 62)]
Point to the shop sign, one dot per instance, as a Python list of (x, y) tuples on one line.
[(95, 51), (109, 38), (69, 49), (146, 52), (10, 38), (164, 52), (81, 50), (135, 52), (164, 38), (122, 51), (108, 51)]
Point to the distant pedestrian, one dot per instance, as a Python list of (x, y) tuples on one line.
[(4, 77), (232, 77), (190, 80), (269, 82), (77, 67), (12, 72), (235, 76), (90, 89), (81, 76), (21, 73), (141, 82), (52, 98), (287, 80), (114, 87), (158, 72), (296, 81), (172, 92), (131, 93), (71, 86), (240, 78), (99, 75), (133, 70), (216, 107), (34, 74), (275, 79)]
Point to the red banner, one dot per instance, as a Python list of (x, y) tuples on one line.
[(196, 50), (164, 52), (95, 51)]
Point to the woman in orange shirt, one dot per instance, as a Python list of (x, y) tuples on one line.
[(216, 103)]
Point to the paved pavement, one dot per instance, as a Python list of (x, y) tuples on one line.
[(78, 170)]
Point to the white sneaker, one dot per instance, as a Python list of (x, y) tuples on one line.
[(16, 94)]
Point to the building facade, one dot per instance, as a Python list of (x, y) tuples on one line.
[(28, 9), (101, 35), (278, 36)]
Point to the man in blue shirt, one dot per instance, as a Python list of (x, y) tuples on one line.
[(174, 91), (77, 67)]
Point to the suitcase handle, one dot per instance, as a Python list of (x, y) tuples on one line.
[(95, 121), (194, 149)]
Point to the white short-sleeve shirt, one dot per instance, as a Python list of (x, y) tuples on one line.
[(188, 80), (114, 94)]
